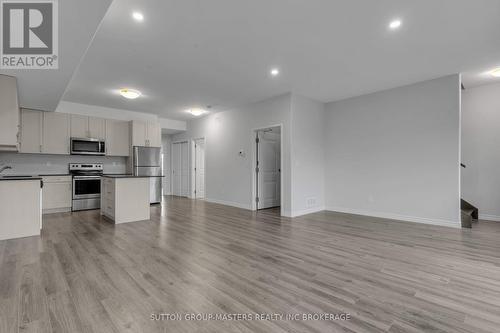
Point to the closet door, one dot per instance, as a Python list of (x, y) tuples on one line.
[(184, 169), (176, 174)]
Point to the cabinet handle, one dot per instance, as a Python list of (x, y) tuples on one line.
[(40, 148)]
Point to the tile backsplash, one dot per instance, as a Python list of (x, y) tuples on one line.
[(34, 164)]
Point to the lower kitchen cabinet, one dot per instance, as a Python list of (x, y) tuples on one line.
[(56, 194)]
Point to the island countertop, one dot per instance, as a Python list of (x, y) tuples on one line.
[(128, 176)]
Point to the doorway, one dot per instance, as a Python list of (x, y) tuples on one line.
[(199, 168), (180, 169), (268, 168)]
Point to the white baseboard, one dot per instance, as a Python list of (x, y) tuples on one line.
[(488, 217), (391, 216), (56, 210), (297, 213), (229, 203)]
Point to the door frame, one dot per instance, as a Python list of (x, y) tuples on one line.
[(253, 135), (172, 163), (193, 166)]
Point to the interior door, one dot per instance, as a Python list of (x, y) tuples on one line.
[(199, 156), (184, 171), (268, 163), (176, 170)]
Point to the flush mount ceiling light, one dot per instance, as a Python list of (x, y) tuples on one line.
[(196, 111), (274, 72), (395, 24), (130, 93), (138, 16), (495, 72)]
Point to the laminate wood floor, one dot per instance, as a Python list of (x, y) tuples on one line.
[(87, 275)]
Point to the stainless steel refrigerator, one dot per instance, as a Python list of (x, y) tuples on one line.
[(147, 162)]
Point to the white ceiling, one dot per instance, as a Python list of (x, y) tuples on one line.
[(78, 21), (195, 53)]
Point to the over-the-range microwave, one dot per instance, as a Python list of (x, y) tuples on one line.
[(86, 146)]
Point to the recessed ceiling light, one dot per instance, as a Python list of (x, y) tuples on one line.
[(138, 16), (130, 93), (196, 111), (495, 72), (395, 24), (274, 72)]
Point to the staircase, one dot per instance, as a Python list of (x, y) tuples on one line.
[(469, 213)]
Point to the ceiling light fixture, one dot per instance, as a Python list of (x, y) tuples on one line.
[(274, 72), (495, 72), (138, 16), (130, 93), (395, 24), (196, 111)]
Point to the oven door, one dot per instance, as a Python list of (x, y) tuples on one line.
[(87, 147), (86, 187)]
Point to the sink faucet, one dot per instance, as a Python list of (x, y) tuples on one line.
[(2, 169)]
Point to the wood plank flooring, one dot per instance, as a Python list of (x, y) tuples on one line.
[(87, 275)]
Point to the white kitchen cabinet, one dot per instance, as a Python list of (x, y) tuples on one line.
[(79, 126), (154, 134), (56, 194), (117, 138), (9, 113), (97, 128), (146, 134), (55, 133), (31, 131), (125, 199)]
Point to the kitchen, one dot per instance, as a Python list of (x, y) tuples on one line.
[(53, 162)]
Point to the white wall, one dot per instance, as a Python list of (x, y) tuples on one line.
[(228, 176), (35, 164), (396, 153), (481, 149), (308, 155), (166, 146)]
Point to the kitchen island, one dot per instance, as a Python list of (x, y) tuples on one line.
[(125, 198), (20, 206)]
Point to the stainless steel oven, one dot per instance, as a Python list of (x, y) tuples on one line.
[(86, 185), (86, 146)]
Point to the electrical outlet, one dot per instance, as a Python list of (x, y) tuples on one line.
[(311, 202)]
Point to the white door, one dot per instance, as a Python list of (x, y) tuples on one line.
[(199, 158), (268, 164), (180, 169), (184, 169), (176, 170), (31, 131)]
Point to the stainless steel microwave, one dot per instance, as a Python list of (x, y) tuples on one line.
[(86, 146)]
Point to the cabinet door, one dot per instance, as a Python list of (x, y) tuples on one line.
[(55, 133), (31, 131), (56, 195), (139, 130), (9, 112), (117, 138), (79, 126), (97, 128), (153, 134)]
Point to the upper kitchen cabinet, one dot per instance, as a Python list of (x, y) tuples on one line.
[(56, 133), (117, 138), (9, 113), (146, 134), (87, 127), (31, 131), (97, 128)]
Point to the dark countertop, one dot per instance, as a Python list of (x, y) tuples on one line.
[(20, 178), (125, 176)]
